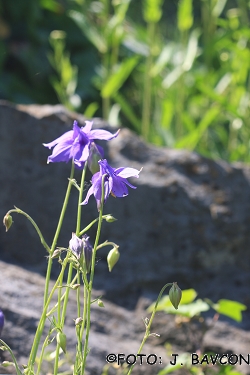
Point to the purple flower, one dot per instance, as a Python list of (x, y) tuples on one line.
[(75, 144), (76, 245), (114, 183), (1, 321)]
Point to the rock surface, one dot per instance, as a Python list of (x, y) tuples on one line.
[(188, 220), (114, 329)]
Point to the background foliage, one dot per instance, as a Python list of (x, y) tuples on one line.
[(175, 71)]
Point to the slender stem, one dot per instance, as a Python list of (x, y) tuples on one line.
[(89, 291), (41, 324), (19, 372), (44, 243), (146, 106), (58, 229), (79, 208), (148, 325)]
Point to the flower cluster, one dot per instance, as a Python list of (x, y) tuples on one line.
[(78, 144)]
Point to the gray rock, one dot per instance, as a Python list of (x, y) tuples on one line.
[(188, 221), (113, 329)]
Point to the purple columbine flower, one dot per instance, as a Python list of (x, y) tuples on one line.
[(1, 321), (76, 245), (75, 144), (115, 182)]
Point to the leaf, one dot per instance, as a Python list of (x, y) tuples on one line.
[(89, 30), (232, 309), (182, 359), (191, 140), (116, 80), (127, 110), (188, 295), (185, 15), (189, 310)]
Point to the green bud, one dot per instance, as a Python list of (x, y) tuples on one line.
[(7, 363), (113, 257), (110, 218), (56, 254), (61, 341), (75, 286), (7, 221), (175, 294), (100, 303), (78, 321)]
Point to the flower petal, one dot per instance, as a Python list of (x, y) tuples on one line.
[(68, 136), (61, 152), (127, 172), (89, 193), (87, 128), (119, 188), (102, 134)]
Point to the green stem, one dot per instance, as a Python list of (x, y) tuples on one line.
[(58, 229), (147, 96), (41, 324), (18, 371), (89, 291), (44, 243), (148, 325)]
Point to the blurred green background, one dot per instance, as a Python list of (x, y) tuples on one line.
[(174, 71)]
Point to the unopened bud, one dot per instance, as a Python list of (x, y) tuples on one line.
[(95, 154), (56, 254), (110, 218), (75, 286), (175, 294), (7, 363), (62, 341), (87, 250), (112, 258), (76, 245), (7, 221), (78, 321), (100, 303)]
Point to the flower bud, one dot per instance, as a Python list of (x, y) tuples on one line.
[(62, 341), (175, 294), (95, 154), (113, 257), (78, 321), (100, 303), (87, 249), (110, 218), (7, 363), (7, 221), (56, 254), (75, 286), (1, 321), (76, 245)]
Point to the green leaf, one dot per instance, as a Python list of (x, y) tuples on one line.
[(188, 295), (116, 80), (89, 30), (185, 15), (91, 109), (127, 110), (182, 360), (232, 309), (190, 141), (189, 310)]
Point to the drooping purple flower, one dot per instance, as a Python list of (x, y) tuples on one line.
[(1, 321), (114, 183), (75, 144), (76, 245), (87, 250)]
